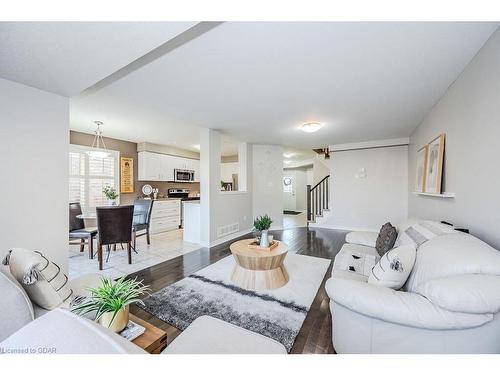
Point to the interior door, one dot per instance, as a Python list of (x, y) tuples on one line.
[(289, 191)]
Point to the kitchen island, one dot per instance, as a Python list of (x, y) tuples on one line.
[(191, 221)]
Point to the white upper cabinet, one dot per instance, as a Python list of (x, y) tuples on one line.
[(160, 167), (168, 166), (149, 166)]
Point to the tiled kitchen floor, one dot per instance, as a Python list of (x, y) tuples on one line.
[(164, 246)]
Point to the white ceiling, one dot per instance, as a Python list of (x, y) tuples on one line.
[(67, 57), (258, 81)]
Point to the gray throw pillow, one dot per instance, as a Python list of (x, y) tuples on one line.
[(386, 238)]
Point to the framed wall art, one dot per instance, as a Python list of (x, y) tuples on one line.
[(126, 175), (421, 169), (434, 165)]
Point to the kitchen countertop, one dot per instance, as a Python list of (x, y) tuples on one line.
[(194, 201)]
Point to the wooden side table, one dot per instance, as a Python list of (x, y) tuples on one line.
[(154, 340), (259, 269)]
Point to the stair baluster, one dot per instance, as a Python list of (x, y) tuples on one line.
[(318, 199)]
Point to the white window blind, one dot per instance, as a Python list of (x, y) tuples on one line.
[(89, 174)]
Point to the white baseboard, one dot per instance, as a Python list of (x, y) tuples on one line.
[(338, 227), (230, 237)]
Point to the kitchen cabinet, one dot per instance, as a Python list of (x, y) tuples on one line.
[(165, 215), (149, 166), (160, 167)]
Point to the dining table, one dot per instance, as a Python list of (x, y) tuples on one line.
[(93, 215)]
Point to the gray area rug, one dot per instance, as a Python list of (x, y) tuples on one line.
[(278, 314)]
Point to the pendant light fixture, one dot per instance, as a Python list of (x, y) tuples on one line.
[(98, 151)]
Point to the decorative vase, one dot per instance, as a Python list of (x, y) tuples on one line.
[(111, 202), (264, 240), (120, 322)]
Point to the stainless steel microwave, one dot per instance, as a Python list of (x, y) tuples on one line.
[(183, 175)]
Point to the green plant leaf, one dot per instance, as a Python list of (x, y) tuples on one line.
[(112, 296)]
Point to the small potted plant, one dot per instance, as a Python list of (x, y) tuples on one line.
[(111, 194), (110, 302), (262, 224)]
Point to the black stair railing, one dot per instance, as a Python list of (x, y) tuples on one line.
[(318, 199)]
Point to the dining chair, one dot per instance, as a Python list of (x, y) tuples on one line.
[(77, 229), (142, 219), (115, 227)]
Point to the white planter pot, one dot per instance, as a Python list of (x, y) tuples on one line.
[(264, 239)]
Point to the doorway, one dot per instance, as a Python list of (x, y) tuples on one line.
[(294, 197)]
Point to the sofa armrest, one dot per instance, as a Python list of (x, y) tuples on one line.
[(62, 332), (398, 307), (16, 309), (362, 238)]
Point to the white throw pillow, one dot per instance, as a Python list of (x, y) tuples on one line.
[(44, 282), (476, 294), (420, 232), (394, 267)]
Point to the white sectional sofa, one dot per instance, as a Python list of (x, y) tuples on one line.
[(449, 304)]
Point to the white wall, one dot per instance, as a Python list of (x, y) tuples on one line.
[(300, 181), (309, 176), (469, 114), (34, 131), (227, 170), (367, 203), (218, 208), (268, 182), (320, 169)]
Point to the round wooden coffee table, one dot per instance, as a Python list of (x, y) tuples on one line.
[(257, 269)]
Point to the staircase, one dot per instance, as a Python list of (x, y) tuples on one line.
[(318, 200)]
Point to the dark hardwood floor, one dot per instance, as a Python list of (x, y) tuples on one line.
[(315, 334)]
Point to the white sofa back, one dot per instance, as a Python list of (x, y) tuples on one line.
[(452, 255), (458, 272)]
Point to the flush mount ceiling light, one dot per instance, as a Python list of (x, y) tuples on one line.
[(311, 127), (288, 156), (98, 151), (196, 147)]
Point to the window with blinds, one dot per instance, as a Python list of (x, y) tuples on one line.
[(89, 174)]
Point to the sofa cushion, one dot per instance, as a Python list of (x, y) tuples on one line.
[(349, 275), (362, 238), (410, 309), (62, 332), (16, 309), (452, 255), (355, 259), (43, 280), (386, 238), (478, 294), (394, 267)]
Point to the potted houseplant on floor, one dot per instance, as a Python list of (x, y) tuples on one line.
[(111, 194), (110, 302), (262, 224)]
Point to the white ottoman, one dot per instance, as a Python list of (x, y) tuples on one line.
[(208, 335)]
